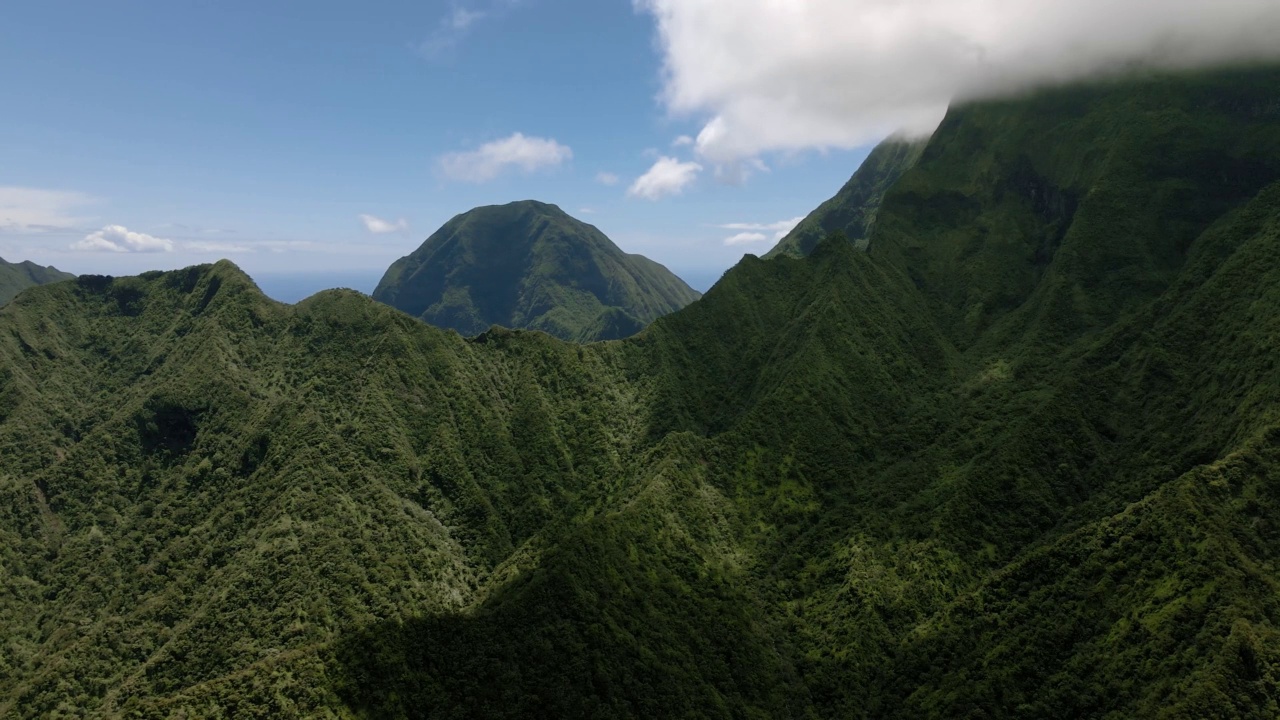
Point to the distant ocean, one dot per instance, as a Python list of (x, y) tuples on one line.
[(701, 280), (292, 287)]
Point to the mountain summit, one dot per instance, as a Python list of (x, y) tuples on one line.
[(530, 265), (16, 277)]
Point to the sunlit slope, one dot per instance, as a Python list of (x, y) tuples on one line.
[(530, 265)]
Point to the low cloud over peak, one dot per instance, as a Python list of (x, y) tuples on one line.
[(378, 226), (754, 233), (492, 159), (841, 73), (118, 238), (668, 176)]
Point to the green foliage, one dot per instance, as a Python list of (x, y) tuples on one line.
[(1015, 460), (529, 265), (852, 212), (16, 277)]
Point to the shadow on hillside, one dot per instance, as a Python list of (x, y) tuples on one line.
[(605, 628)]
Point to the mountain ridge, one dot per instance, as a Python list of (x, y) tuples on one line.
[(852, 211)]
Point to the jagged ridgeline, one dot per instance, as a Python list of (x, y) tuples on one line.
[(1016, 459), (530, 265), (16, 277)]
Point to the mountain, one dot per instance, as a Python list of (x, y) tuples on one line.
[(1015, 459), (852, 212), (16, 277), (530, 265)]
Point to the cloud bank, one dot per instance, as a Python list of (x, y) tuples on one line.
[(785, 76), (120, 239), (378, 226), (493, 159), (667, 177)]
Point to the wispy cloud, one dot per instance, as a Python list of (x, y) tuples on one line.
[(120, 239), (450, 31), (454, 26), (746, 238), (35, 210), (607, 178), (517, 152), (216, 248), (682, 141), (667, 177), (778, 229), (378, 226)]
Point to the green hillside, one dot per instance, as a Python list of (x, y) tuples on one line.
[(852, 212), (530, 265), (16, 277), (1016, 459)]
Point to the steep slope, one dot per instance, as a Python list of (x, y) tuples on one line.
[(16, 277), (830, 488), (852, 212), (530, 265)]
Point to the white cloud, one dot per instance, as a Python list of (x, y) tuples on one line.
[(779, 229), (607, 178), (668, 176), (746, 238), (31, 210), (118, 238), (682, 141), (378, 226), (586, 211), (492, 159), (784, 76)]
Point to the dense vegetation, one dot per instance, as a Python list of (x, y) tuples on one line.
[(1016, 459), (852, 212), (530, 265), (16, 277)]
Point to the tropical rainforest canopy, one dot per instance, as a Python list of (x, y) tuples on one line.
[(1012, 454)]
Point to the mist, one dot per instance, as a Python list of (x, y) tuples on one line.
[(787, 76)]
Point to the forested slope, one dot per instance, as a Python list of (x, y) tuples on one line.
[(529, 265)]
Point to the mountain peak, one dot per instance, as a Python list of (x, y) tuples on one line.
[(529, 264), (16, 277)]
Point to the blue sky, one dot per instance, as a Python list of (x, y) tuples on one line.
[(264, 131)]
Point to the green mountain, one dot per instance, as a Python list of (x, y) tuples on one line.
[(530, 265), (1017, 459), (16, 277), (852, 212)]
